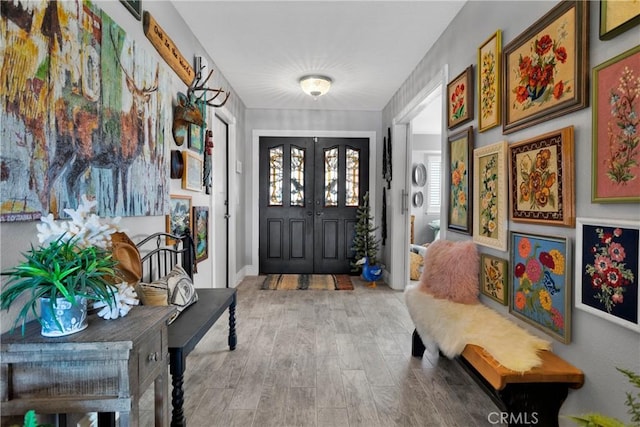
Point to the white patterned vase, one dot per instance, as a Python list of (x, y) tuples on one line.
[(71, 317)]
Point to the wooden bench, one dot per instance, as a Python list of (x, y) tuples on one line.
[(532, 397), (193, 323)]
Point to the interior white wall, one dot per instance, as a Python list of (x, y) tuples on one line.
[(597, 346)]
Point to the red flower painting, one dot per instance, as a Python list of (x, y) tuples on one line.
[(537, 72)]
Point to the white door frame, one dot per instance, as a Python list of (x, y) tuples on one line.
[(400, 224), (255, 185), (225, 115)]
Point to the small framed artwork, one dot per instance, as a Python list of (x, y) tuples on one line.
[(134, 6), (192, 175), (196, 137), (494, 281), (542, 179), (616, 105), (545, 69), (539, 282), (460, 99), (489, 56), (490, 191), (617, 16), (179, 218), (460, 169), (607, 258), (201, 232)]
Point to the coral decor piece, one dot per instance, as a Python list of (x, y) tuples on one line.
[(451, 271), (85, 228), (125, 299)]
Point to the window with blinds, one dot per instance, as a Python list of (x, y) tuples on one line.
[(434, 181)]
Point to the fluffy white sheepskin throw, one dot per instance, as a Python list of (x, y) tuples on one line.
[(453, 325)]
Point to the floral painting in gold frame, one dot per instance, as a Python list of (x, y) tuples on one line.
[(489, 82), (618, 16), (546, 68), (490, 190), (494, 278), (542, 179), (460, 99), (616, 106), (459, 156)]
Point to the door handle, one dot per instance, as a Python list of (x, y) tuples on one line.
[(227, 216), (309, 213), (319, 213), (404, 202)]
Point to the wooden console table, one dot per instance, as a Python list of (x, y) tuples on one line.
[(105, 368)]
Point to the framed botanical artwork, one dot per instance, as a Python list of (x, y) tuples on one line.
[(607, 259), (489, 56), (179, 218), (618, 16), (490, 191), (201, 232), (539, 282), (616, 105), (494, 281), (192, 175), (460, 99), (542, 179), (545, 69), (459, 151)]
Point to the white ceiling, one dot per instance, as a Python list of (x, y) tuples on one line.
[(368, 48)]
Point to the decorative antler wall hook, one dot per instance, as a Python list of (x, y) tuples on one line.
[(197, 91)]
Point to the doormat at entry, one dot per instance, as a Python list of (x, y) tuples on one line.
[(315, 282)]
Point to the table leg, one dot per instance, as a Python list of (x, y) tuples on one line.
[(161, 404), (177, 367), (417, 346), (232, 324), (106, 419)]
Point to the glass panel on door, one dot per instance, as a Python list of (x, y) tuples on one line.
[(297, 176), (275, 176), (331, 177), (352, 177)]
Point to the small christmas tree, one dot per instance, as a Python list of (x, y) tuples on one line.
[(365, 243)]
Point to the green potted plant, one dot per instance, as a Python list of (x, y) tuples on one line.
[(632, 402), (71, 266)]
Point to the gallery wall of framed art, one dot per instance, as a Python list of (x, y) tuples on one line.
[(570, 148)]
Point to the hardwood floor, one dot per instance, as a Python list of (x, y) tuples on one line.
[(324, 358)]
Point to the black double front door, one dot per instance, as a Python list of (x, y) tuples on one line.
[(310, 190)]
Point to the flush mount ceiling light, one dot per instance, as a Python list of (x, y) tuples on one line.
[(315, 85)]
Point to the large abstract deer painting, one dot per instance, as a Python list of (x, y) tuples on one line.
[(99, 127)]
